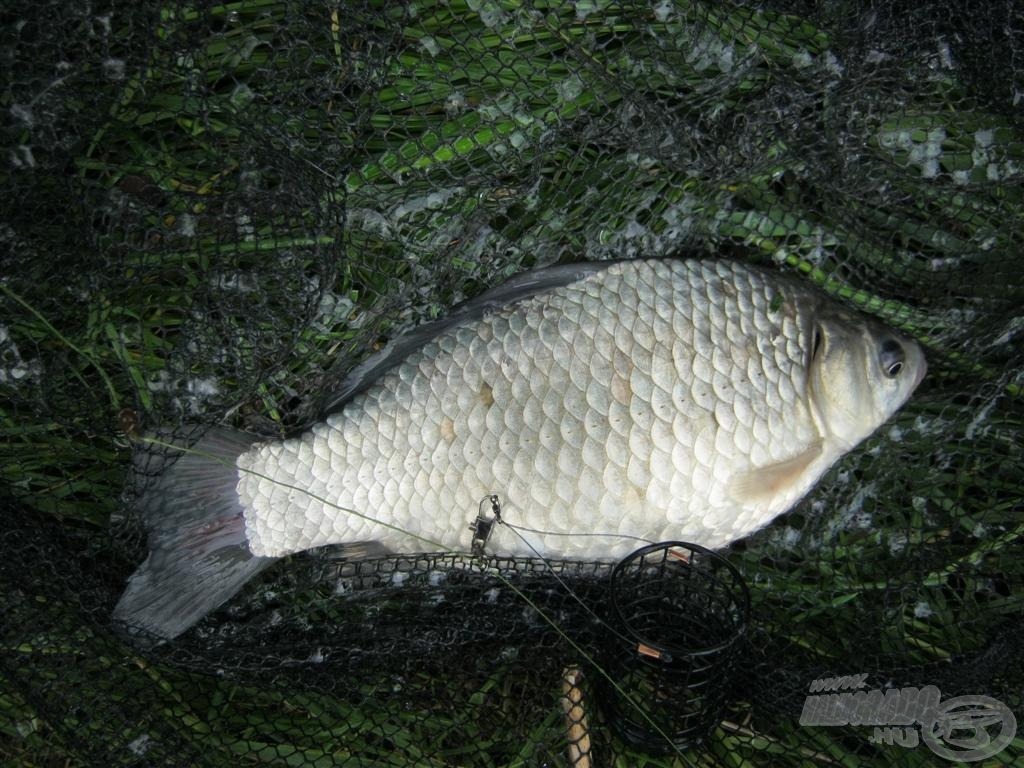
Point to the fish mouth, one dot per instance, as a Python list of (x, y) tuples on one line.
[(922, 366)]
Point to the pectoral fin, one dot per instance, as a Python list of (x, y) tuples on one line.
[(763, 484)]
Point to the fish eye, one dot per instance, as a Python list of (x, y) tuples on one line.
[(891, 358)]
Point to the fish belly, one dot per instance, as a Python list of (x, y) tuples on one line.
[(618, 406)]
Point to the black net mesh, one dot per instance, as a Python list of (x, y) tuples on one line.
[(212, 212)]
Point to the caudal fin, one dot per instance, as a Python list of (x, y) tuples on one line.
[(199, 555)]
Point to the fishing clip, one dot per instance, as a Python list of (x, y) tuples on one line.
[(482, 526)]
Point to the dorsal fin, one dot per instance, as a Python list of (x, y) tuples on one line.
[(517, 288)]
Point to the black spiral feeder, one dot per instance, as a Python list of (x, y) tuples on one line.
[(677, 615)]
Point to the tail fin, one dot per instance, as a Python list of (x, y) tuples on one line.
[(199, 555)]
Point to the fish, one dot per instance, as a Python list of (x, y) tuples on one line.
[(603, 403)]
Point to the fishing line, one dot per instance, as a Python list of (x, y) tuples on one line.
[(442, 548), (498, 518), (565, 586), (576, 535)]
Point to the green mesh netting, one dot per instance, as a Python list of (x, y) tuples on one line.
[(211, 212)]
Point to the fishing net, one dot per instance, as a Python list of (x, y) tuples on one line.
[(212, 212)]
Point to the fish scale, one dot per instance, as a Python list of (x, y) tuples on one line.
[(563, 406)]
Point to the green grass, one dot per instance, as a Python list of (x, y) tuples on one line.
[(274, 190)]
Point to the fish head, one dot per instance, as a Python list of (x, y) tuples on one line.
[(859, 373)]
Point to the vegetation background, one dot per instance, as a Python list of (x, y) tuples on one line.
[(212, 211)]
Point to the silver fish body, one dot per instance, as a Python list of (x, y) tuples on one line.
[(653, 399)]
